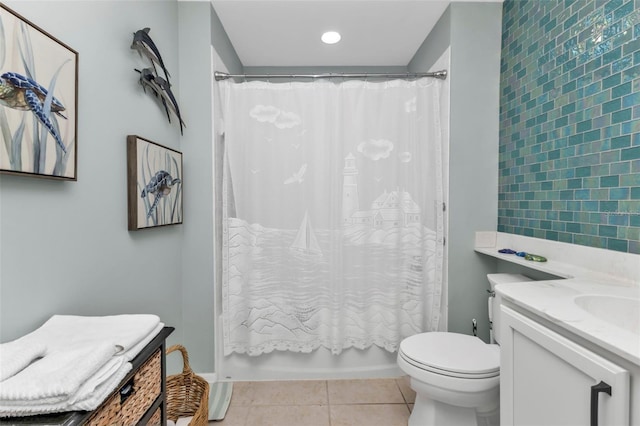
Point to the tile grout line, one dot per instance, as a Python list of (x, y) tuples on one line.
[(326, 388), (406, 401)]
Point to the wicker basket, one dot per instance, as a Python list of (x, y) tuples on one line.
[(145, 385), (187, 393)]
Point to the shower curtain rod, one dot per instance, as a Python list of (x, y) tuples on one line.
[(442, 75)]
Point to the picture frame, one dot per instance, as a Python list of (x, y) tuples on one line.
[(154, 184), (38, 101)]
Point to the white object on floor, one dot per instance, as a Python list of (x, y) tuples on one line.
[(219, 398), (183, 421)]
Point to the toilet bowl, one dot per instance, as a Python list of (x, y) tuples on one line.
[(456, 377)]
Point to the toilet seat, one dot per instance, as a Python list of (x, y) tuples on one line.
[(441, 384), (451, 354)]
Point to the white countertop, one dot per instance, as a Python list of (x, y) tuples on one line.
[(554, 301), (587, 271)]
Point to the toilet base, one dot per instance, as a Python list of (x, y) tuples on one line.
[(428, 412)]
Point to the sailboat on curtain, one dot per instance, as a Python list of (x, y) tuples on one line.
[(306, 242)]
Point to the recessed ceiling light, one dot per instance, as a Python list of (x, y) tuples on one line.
[(331, 37)]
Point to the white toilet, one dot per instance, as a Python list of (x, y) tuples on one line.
[(456, 377)]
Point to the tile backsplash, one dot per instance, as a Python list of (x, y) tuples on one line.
[(570, 122)]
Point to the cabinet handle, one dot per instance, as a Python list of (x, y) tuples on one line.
[(126, 391), (595, 392)]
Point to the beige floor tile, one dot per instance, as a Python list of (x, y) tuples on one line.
[(369, 415), (236, 416), (283, 415), (408, 393), (369, 391), (242, 393), (311, 392)]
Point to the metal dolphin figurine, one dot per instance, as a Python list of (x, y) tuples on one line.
[(145, 46), (161, 88)]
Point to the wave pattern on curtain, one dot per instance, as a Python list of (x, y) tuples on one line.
[(333, 223)]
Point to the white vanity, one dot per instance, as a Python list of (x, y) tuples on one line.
[(570, 350)]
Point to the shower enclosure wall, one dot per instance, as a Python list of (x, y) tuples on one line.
[(320, 363)]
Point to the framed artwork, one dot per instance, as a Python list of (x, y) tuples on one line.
[(38, 101), (154, 180)]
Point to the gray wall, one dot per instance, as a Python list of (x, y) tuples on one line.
[(65, 245), (199, 28), (473, 31)]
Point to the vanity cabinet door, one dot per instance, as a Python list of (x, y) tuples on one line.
[(546, 379)]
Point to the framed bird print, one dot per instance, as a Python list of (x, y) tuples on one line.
[(154, 180), (38, 101)]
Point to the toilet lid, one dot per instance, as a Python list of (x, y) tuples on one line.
[(453, 353)]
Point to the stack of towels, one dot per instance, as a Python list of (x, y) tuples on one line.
[(70, 363)]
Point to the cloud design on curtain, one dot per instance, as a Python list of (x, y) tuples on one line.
[(375, 149), (274, 115), (264, 113)]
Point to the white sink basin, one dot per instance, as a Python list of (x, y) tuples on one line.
[(623, 312)]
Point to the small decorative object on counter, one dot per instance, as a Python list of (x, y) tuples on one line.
[(527, 256), (535, 258)]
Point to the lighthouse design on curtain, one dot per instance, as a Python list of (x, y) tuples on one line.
[(390, 209)]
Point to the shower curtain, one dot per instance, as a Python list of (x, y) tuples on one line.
[(332, 214)]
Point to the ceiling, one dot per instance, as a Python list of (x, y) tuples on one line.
[(286, 33)]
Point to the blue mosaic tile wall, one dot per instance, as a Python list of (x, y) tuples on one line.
[(570, 122)]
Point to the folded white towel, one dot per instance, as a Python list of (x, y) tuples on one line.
[(87, 403), (135, 349), (93, 400), (15, 356), (64, 331), (56, 376), (85, 359)]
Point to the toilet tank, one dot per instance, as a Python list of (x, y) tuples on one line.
[(494, 300)]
